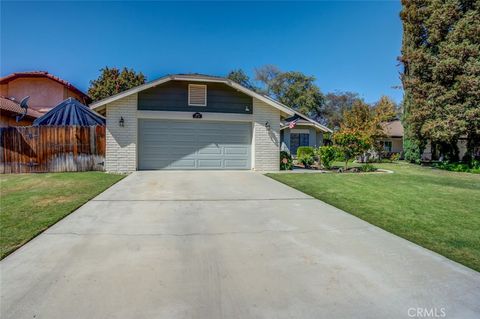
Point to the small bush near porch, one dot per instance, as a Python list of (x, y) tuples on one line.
[(30, 203), (436, 209)]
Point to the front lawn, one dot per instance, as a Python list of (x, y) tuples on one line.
[(436, 209), (30, 203)]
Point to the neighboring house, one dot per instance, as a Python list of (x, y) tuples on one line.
[(70, 112), (299, 130), (9, 110), (393, 142), (45, 90), (192, 122)]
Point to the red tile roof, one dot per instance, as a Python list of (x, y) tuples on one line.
[(43, 74), (14, 107)]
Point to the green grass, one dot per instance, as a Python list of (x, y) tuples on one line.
[(30, 203), (436, 209)]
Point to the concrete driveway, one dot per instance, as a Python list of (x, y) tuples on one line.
[(226, 245)]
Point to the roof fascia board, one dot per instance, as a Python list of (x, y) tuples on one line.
[(317, 126)]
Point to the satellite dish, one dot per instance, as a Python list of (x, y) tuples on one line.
[(24, 106)]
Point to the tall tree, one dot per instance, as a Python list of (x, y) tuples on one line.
[(240, 77), (298, 91), (112, 81), (386, 109), (334, 107), (441, 77), (293, 89), (267, 75)]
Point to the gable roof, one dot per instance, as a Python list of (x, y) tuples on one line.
[(393, 128), (9, 105), (301, 119), (70, 112), (44, 74), (194, 77)]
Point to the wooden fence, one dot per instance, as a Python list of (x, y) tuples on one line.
[(52, 149)]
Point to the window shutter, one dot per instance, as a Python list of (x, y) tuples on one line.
[(197, 95)]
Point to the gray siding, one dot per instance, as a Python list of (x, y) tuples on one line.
[(319, 139), (173, 96), (312, 137), (315, 138)]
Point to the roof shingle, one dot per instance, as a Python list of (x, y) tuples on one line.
[(393, 128)]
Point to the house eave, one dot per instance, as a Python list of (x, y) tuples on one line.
[(316, 126)]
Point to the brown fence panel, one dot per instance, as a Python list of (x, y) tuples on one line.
[(52, 149)]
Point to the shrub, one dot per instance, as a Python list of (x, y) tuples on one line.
[(473, 167), (285, 161), (394, 157), (305, 150), (412, 150), (367, 168), (327, 155), (306, 159)]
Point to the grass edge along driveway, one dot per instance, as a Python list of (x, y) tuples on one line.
[(31, 203), (436, 209)]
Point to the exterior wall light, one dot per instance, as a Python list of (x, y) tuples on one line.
[(267, 126), (247, 108), (121, 122)]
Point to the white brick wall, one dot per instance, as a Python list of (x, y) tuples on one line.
[(121, 147), (266, 142)]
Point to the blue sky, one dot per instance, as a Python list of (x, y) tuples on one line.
[(345, 45)]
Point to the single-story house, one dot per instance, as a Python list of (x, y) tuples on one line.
[(10, 110), (393, 142), (192, 121), (299, 130)]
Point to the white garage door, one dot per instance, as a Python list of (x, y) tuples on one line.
[(196, 144)]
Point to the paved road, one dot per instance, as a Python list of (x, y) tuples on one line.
[(225, 245)]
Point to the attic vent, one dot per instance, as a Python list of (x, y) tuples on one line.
[(197, 95)]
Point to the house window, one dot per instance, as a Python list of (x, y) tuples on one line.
[(387, 146), (298, 139), (197, 95)]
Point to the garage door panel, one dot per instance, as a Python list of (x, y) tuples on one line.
[(210, 150), (172, 154), (229, 150), (215, 139), (194, 145), (235, 163), (171, 140)]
